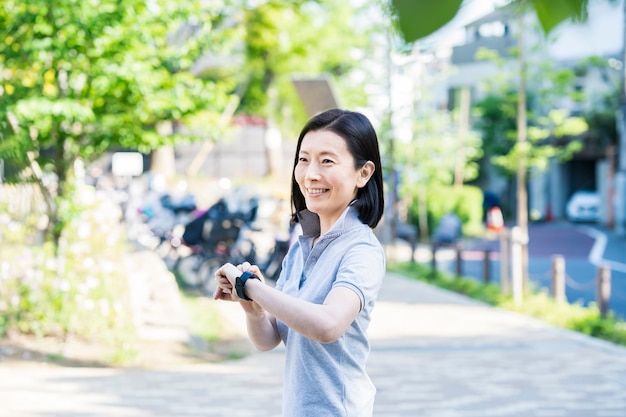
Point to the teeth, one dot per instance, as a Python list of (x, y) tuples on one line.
[(315, 190)]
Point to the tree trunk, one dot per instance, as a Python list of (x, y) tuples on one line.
[(464, 114), (522, 194)]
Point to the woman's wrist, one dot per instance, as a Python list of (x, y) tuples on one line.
[(253, 308)]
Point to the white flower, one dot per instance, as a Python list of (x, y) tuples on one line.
[(83, 231), (51, 264), (88, 263), (104, 306), (92, 282)]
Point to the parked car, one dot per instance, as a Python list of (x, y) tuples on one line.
[(583, 206)]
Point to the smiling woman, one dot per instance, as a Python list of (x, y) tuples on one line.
[(327, 176), (322, 303)]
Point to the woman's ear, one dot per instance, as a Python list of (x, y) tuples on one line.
[(365, 173)]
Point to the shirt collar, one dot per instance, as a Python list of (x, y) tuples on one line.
[(310, 221)]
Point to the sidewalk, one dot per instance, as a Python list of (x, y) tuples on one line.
[(434, 354)]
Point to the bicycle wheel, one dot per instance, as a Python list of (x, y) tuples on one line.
[(274, 263), (206, 275), (187, 270)]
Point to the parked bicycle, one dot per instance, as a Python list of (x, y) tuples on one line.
[(221, 236)]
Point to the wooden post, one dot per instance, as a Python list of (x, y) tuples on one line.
[(433, 261), (459, 260), (603, 294), (517, 276), (487, 266), (558, 277), (505, 254)]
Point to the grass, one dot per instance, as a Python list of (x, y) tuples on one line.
[(537, 304), (204, 319)]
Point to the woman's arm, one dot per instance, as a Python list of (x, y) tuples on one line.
[(324, 323)]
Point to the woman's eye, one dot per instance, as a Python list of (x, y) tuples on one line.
[(327, 161)]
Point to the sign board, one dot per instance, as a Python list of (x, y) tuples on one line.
[(127, 164), (316, 94)]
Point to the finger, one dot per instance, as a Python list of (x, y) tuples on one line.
[(244, 266), (257, 271)]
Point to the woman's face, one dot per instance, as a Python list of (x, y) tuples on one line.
[(326, 175)]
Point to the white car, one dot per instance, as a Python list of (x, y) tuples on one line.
[(583, 206)]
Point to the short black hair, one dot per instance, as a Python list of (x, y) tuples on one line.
[(362, 143)]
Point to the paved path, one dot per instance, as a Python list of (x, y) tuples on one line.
[(434, 354)]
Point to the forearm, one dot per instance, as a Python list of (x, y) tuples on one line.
[(262, 331), (315, 321)]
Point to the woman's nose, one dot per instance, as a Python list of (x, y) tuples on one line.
[(312, 172)]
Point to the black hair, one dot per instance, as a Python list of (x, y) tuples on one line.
[(362, 143)]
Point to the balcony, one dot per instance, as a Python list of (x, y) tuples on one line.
[(465, 54)]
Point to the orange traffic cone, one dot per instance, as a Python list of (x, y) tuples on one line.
[(495, 221)]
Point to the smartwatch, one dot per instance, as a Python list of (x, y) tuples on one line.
[(240, 284)]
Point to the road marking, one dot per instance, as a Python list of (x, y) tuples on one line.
[(597, 251)]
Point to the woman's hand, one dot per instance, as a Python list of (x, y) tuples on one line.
[(225, 278)]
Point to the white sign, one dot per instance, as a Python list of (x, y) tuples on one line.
[(127, 164)]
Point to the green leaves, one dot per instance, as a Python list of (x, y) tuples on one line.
[(419, 18), (553, 12)]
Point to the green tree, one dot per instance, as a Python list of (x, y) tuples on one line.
[(551, 132), (80, 77), (420, 18), (285, 39), (430, 163)]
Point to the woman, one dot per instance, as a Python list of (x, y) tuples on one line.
[(321, 305)]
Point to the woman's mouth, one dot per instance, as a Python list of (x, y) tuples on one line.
[(316, 191)]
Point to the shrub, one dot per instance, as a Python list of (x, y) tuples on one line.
[(537, 303), (78, 289), (465, 202)]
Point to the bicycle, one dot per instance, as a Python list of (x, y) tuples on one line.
[(212, 240)]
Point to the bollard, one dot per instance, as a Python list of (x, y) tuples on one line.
[(459, 260), (603, 294), (433, 261), (487, 266), (558, 277), (505, 253), (517, 284)]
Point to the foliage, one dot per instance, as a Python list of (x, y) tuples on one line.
[(287, 39), (465, 202), (538, 304), (80, 291), (429, 160), (418, 19), (599, 111), (78, 78), (431, 154), (551, 133)]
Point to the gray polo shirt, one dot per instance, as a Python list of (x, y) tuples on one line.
[(331, 379)]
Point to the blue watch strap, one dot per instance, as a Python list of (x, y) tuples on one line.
[(240, 284)]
